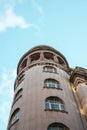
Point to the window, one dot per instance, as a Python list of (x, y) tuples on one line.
[(48, 56), (50, 69), (20, 78), (51, 83), (18, 95), (35, 57), (24, 64), (57, 126), (15, 116), (54, 103), (60, 61)]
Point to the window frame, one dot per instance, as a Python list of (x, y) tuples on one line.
[(52, 83), (18, 94), (14, 117), (58, 126), (54, 104), (49, 69)]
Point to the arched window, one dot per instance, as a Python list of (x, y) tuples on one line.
[(54, 103), (51, 83), (15, 116), (48, 56), (35, 57), (49, 69), (57, 126), (18, 94), (24, 64), (20, 78), (61, 61)]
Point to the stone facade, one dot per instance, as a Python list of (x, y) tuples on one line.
[(48, 94)]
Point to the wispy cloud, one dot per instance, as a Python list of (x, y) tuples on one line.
[(12, 3), (11, 20), (41, 19), (6, 80), (39, 9), (6, 95)]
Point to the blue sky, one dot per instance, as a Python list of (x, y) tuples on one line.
[(24, 24)]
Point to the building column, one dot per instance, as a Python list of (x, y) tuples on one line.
[(82, 95), (20, 68), (41, 56), (55, 59), (28, 61)]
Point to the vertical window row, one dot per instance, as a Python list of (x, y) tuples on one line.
[(16, 114), (51, 83), (52, 103)]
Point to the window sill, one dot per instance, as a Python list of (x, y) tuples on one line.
[(16, 100), (50, 72), (53, 88), (63, 111), (13, 124), (17, 84)]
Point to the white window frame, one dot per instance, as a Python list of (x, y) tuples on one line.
[(57, 105), (50, 69), (52, 84)]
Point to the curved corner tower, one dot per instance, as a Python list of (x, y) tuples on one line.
[(43, 96)]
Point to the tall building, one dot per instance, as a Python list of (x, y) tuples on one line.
[(48, 94)]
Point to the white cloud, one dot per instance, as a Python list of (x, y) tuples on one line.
[(6, 95), (11, 20)]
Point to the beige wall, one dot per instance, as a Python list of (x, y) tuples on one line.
[(32, 103)]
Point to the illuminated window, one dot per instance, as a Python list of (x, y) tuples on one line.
[(50, 69), (51, 83), (57, 126), (54, 103)]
